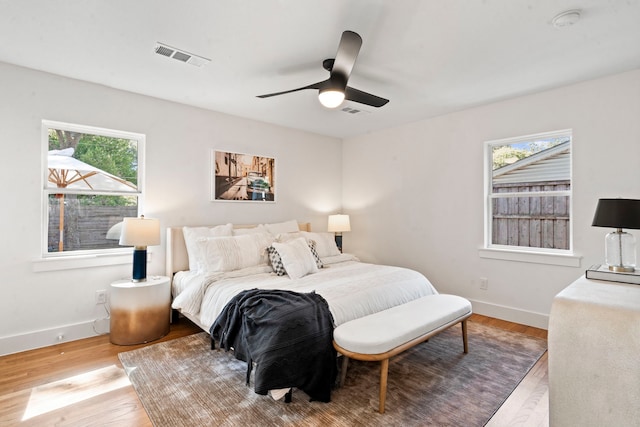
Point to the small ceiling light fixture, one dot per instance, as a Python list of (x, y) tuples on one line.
[(331, 98), (566, 19), (332, 92)]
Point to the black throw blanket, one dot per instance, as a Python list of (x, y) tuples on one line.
[(287, 334)]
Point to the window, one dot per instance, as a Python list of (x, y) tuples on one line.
[(528, 193), (92, 180)]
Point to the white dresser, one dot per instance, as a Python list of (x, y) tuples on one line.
[(594, 355)]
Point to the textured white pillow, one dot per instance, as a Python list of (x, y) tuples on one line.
[(276, 261), (191, 234), (283, 227), (222, 254), (250, 230), (296, 257), (325, 243), (287, 237)]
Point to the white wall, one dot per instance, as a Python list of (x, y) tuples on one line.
[(37, 306), (415, 193)]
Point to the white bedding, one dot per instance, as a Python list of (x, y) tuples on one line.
[(352, 289)]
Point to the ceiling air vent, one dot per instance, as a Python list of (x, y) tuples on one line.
[(351, 110), (180, 55)]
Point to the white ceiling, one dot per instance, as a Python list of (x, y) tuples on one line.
[(429, 57)]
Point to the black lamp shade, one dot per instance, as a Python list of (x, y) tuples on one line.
[(617, 213)]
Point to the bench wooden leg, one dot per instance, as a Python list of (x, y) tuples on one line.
[(384, 371), (385, 356), (343, 370), (464, 336)]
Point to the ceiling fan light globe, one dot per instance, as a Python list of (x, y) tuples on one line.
[(331, 98)]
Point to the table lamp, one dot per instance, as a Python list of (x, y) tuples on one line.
[(140, 233), (620, 246), (338, 224)]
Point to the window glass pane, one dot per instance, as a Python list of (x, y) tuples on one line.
[(88, 221), (86, 162), (537, 222), (91, 182), (537, 165), (524, 174)]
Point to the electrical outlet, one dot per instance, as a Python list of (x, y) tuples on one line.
[(484, 283), (101, 297)]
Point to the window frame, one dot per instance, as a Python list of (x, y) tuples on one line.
[(116, 253), (525, 253)]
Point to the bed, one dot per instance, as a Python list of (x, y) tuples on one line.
[(352, 289), (212, 267)]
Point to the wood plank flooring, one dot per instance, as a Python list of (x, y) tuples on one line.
[(97, 393), (528, 405)]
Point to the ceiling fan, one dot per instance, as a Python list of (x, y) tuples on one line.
[(333, 91)]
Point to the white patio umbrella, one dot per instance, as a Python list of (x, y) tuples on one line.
[(68, 172)]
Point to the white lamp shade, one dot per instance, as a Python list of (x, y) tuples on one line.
[(140, 232), (331, 98), (338, 223)]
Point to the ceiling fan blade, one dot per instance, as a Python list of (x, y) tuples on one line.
[(311, 86), (348, 50), (361, 97)]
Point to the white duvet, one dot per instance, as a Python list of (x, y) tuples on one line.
[(352, 289)]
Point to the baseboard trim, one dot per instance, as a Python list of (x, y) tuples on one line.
[(77, 331), (524, 317), (48, 337)]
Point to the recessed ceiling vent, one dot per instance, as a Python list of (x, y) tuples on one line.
[(180, 55), (350, 110)]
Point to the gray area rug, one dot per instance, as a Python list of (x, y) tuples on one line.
[(184, 383)]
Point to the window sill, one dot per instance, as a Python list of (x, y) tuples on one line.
[(564, 260), (83, 261)]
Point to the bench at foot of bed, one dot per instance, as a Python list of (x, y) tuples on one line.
[(382, 335)]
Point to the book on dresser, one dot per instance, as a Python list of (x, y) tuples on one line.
[(602, 272)]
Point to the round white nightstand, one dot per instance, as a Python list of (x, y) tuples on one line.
[(140, 311)]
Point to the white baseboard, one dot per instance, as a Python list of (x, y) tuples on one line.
[(48, 337), (529, 318)]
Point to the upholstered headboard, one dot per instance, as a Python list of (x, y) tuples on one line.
[(177, 257)]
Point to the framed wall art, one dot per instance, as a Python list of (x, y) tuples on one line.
[(242, 177)]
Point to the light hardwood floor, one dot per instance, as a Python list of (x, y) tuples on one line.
[(528, 405), (97, 393)]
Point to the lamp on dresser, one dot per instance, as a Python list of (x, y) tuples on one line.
[(620, 246), (338, 224), (140, 233)]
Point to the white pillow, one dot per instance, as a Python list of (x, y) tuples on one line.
[(283, 227), (191, 234), (296, 257), (276, 261), (251, 230), (287, 237), (325, 243), (222, 254)]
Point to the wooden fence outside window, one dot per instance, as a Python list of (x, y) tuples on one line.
[(531, 221)]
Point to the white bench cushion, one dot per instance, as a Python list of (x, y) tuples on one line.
[(386, 330)]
